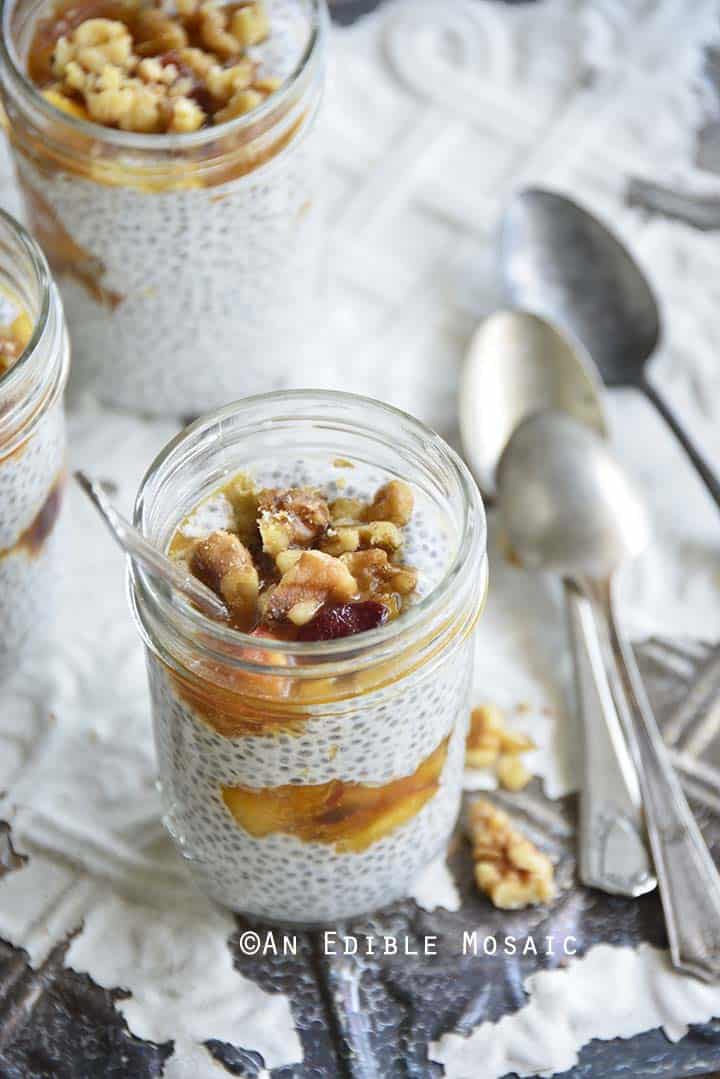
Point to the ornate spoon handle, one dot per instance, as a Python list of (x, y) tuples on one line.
[(689, 881), (612, 846)]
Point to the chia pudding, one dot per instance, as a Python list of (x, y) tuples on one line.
[(33, 369), (311, 748), (169, 162)]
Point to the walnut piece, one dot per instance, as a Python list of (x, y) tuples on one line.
[(250, 24), (315, 577), (375, 574), (285, 560), (242, 495), (382, 534), (307, 554), (156, 33), (342, 540), (393, 502), (241, 103), (509, 869), (224, 82), (214, 31), (297, 517), (94, 45), (491, 744), (511, 772), (349, 511), (224, 564)]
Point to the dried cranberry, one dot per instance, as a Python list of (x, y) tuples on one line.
[(331, 623)]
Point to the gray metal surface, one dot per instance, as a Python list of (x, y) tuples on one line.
[(375, 1017)]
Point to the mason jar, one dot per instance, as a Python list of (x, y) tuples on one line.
[(32, 449), (188, 263), (259, 739)]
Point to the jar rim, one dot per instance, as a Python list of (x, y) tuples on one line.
[(44, 281), (396, 632), (142, 141)]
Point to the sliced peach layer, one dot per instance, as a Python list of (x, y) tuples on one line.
[(351, 816)]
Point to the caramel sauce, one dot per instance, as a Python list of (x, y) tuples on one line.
[(65, 256), (251, 704), (350, 816), (34, 537)]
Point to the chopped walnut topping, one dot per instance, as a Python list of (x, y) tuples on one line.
[(341, 540), (155, 70), (243, 497), (242, 102), (224, 82), (394, 502), (509, 869), (186, 115), (294, 518), (156, 33), (347, 511), (93, 46), (382, 534), (303, 612), (376, 574), (511, 772), (315, 577), (224, 564), (215, 33), (250, 25), (285, 560), (198, 61), (491, 744)]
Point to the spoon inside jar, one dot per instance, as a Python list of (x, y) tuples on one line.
[(150, 558)]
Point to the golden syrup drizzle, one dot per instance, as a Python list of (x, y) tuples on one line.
[(349, 816)]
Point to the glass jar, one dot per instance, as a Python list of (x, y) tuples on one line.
[(188, 263), (308, 782), (32, 449)]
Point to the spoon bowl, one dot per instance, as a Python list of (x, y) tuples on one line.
[(559, 260), (567, 504), (519, 364)]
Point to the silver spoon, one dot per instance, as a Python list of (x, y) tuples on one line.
[(559, 260), (517, 365), (569, 507), (150, 558)]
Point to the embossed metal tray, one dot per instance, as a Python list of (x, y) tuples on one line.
[(363, 1017)]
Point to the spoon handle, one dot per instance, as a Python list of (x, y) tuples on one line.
[(612, 845), (689, 881), (707, 475), (154, 561)]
